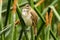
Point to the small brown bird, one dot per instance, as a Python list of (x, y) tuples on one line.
[(30, 17)]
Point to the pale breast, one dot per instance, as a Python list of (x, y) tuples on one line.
[(27, 18)]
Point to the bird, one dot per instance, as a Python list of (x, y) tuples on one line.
[(30, 17)]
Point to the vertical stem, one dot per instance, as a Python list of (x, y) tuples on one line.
[(7, 14), (26, 35), (47, 32), (13, 26), (32, 33), (13, 20), (21, 33), (1, 22), (0, 14)]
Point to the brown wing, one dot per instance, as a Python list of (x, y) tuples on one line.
[(34, 16), (34, 20)]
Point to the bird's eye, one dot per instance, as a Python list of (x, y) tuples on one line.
[(27, 6)]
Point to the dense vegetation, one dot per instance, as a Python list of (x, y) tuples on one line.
[(48, 26)]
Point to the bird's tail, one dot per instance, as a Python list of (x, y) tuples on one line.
[(35, 30)]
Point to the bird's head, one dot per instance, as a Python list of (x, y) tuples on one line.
[(26, 9)]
